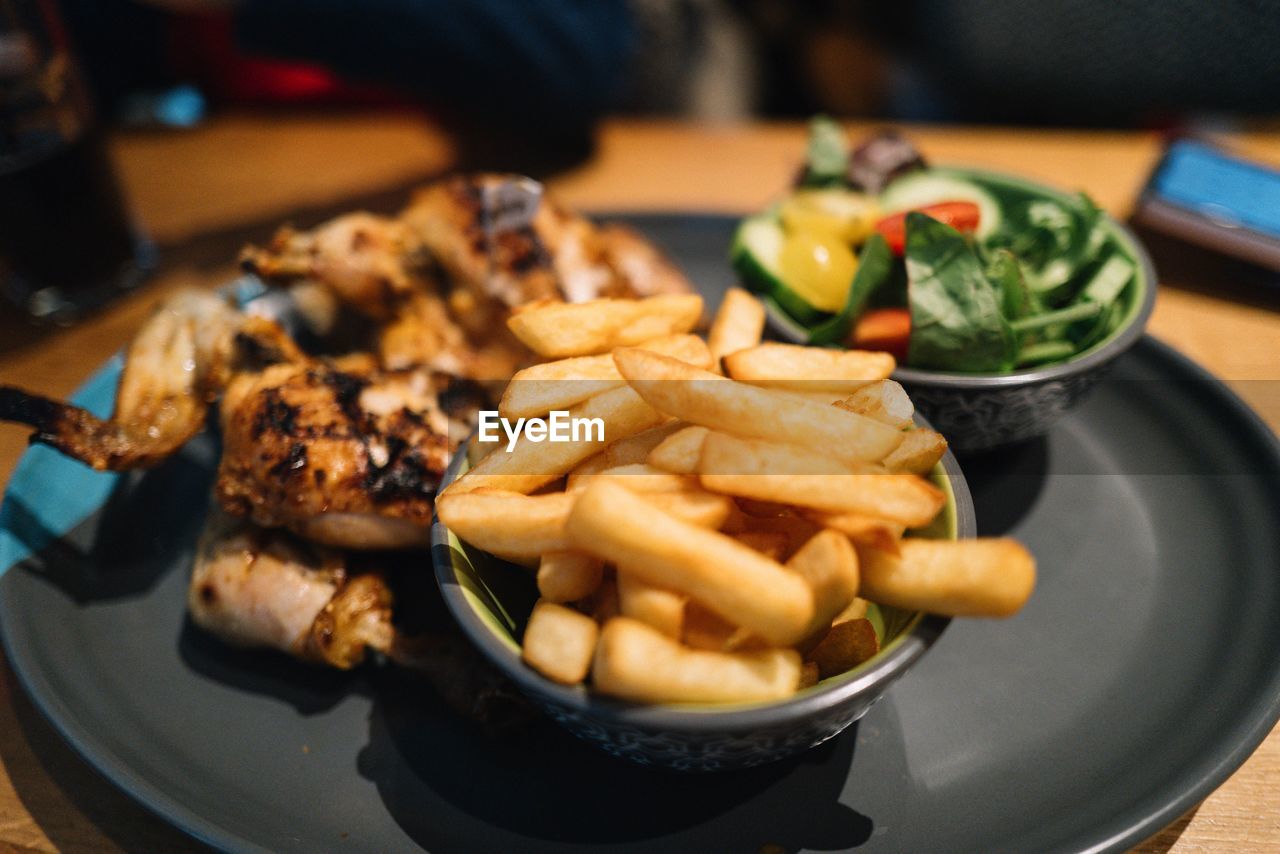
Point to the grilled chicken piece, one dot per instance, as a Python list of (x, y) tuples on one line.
[(173, 370), (371, 263), (258, 588), (424, 336), (640, 269), (344, 455), (448, 218), (560, 255)]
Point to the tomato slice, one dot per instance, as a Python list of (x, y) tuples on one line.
[(887, 329), (962, 216)]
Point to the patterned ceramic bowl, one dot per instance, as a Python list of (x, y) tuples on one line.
[(491, 601), (982, 411)]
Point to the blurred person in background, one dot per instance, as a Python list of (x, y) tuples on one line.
[(544, 71), (1050, 62), (539, 67)]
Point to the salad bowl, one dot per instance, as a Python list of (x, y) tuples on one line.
[(980, 410)]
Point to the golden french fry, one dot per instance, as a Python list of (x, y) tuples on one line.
[(862, 529), (701, 397), (566, 576), (509, 525), (788, 474), (809, 368), (695, 506), (829, 565), (736, 582), (847, 645), (655, 606), (856, 610), (918, 454), (968, 578), (541, 388), (885, 401), (555, 330), (638, 477), (559, 642), (628, 451), (739, 323), (522, 528), (808, 674), (680, 451), (636, 662), (533, 464), (773, 544)]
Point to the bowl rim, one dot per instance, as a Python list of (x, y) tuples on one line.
[(1115, 344), (888, 666)]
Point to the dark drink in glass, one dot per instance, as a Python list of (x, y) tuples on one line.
[(67, 243)]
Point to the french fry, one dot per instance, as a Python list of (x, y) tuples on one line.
[(736, 582), (638, 477), (847, 645), (696, 506), (856, 610), (809, 368), (565, 576), (636, 662), (701, 397), (625, 452), (705, 629), (808, 675), (739, 323), (522, 528), (918, 453), (829, 565), (538, 389), (885, 401), (862, 529), (515, 527), (559, 642), (655, 606), (968, 578), (533, 464), (555, 330), (789, 474), (680, 451)]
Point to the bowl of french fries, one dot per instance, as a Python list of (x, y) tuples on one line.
[(759, 539)]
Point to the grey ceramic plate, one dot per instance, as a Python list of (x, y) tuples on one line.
[(1144, 671)]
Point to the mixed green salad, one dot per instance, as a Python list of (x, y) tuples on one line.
[(948, 269)]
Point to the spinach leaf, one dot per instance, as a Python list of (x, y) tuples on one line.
[(875, 265), (1016, 299), (1056, 241), (956, 323), (827, 161)]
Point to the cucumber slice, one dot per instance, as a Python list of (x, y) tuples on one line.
[(918, 189), (756, 248)]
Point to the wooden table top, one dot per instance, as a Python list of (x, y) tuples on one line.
[(200, 193)]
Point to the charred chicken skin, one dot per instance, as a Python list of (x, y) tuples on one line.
[(344, 455)]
